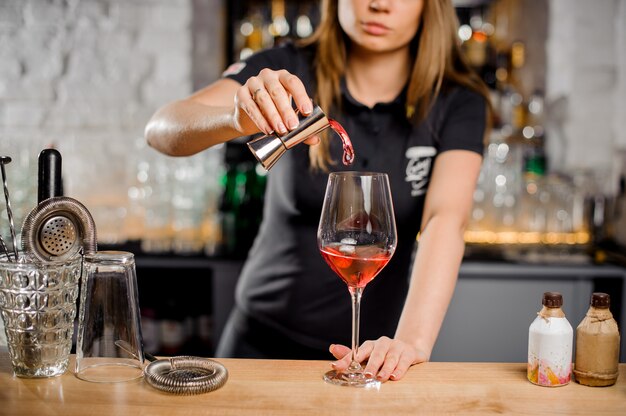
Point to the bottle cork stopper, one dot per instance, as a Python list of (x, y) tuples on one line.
[(600, 300), (552, 300)]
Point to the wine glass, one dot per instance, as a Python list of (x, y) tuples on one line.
[(356, 237)]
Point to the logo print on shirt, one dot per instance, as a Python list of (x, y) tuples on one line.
[(418, 168), (233, 69)]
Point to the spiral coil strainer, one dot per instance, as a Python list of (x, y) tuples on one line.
[(186, 375)]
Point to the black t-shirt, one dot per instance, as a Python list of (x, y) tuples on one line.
[(285, 283)]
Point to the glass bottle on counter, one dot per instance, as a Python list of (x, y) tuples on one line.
[(597, 344), (550, 339)]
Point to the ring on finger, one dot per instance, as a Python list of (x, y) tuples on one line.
[(254, 94)]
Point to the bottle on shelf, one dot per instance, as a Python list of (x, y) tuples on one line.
[(173, 326), (150, 330), (304, 25), (228, 208), (533, 133), (513, 100), (279, 27), (263, 24), (204, 332), (476, 34), (550, 341), (241, 204), (597, 344), (253, 33)]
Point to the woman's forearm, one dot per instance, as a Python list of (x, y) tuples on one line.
[(187, 127), (433, 279)]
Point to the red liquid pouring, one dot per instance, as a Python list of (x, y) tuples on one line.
[(359, 266), (348, 150)]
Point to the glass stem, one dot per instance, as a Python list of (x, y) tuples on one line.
[(355, 293)]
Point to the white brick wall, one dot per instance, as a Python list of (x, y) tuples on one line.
[(620, 91), (86, 75), (586, 74)]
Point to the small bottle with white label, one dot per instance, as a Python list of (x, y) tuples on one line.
[(550, 340)]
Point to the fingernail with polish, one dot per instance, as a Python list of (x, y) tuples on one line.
[(281, 128), (369, 374), (307, 108), (293, 123)]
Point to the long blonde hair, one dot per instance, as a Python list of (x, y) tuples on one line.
[(439, 61)]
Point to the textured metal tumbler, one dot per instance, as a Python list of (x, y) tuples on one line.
[(268, 149)]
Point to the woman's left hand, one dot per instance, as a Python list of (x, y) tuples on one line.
[(387, 358)]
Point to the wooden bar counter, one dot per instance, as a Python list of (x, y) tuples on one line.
[(264, 387)]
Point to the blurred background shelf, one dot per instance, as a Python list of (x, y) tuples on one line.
[(494, 302)]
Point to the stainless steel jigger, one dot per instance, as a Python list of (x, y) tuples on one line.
[(268, 149)]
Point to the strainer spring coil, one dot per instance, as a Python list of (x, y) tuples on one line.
[(186, 375)]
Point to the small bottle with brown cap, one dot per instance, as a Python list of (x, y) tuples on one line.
[(597, 344), (550, 341)]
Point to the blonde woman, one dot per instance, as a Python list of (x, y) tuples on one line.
[(391, 72)]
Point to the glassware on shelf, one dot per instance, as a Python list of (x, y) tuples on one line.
[(96, 175), (158, 187), (187, 207), (22, 172), (497, 195), (173, 202), (522, 208)]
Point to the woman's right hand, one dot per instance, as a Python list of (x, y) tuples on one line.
[(206, 118), (263, 103)]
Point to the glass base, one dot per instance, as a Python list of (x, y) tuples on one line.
[(110, 372), (39, 370), (351, 379)]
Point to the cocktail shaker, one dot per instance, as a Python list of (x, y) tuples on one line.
[(269, 148)]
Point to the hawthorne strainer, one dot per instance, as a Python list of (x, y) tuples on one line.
[(186, 375), (57, 229)]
